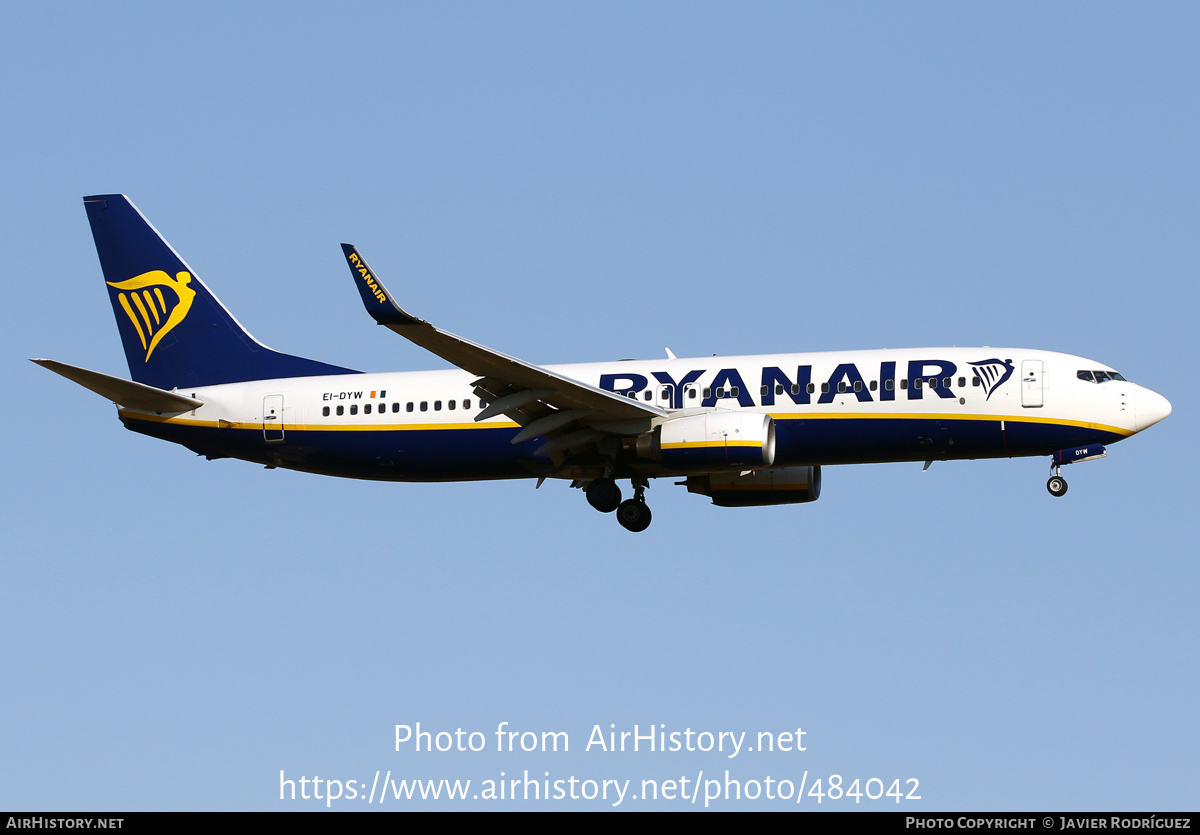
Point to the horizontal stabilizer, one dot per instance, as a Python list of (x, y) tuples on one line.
[(125, 393)]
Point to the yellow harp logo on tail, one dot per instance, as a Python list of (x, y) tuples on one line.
[(154, 315)]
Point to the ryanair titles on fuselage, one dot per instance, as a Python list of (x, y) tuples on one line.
[(782, 381), (938, 375)]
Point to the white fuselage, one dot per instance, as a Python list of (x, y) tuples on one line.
[(832, 407)]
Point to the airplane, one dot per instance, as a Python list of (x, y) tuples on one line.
[(740, 430)]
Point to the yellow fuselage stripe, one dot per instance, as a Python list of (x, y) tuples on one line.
[(316, 427), (416, 427), (936, 416)]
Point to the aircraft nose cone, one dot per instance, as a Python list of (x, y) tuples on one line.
[(1149, 408)]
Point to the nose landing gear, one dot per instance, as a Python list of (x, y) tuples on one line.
[(1057, 485)]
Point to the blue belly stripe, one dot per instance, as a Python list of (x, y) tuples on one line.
[(480, 453)]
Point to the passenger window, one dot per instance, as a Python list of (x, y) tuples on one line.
[(962, 382), (733, 392), (778, 389), (858, 385), (341, 410), (975, 381), (824, 388), (408, 407), (889, 384), (437, 405), (842, 388), (917, 383), (367, 409), (354, 410), (451, 404), (946, 381), (396, 407), (424, 405), (795, 388), (648, 395), (707, 393), (874, 385), (325, 412), (765, 390), (691, 394), (903, 384), (467, 403), (811, 388)]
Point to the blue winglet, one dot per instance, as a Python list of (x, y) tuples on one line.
[(376, 298)]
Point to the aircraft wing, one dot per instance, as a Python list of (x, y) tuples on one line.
[(532, 396)]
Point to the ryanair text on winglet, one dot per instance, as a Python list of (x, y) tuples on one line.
[(357, 263)]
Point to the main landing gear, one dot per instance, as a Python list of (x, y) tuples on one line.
[(603, 494), (633, 514), (1057, 485)]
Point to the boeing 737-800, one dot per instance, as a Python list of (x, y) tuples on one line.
[(743, 430)]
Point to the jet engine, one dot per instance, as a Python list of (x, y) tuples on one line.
[(723, 440), (785, 485)]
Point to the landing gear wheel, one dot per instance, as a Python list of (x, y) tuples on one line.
[(1057, 485), (604, 495), (633, 515)]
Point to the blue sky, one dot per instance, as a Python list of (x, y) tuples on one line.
[(574, 183)]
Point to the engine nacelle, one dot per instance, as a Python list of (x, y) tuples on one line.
[(723, 440), (786, 485)]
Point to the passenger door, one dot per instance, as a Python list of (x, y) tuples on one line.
[(1031, 384), (273, 418)]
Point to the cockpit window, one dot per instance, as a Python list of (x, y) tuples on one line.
[(1097, 376)]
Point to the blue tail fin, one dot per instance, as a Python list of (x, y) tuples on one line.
[(175, 332)]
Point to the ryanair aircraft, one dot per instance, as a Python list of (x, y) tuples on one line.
[(749, 430)]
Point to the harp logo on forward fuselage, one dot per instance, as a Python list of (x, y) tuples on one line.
[(154, 313), (992, 374)]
